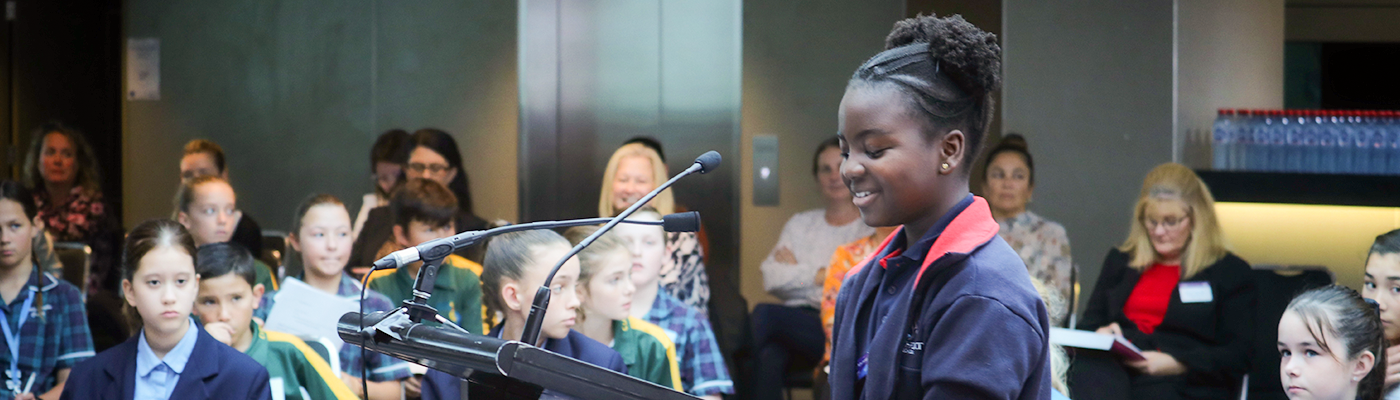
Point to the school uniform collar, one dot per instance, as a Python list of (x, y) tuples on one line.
[(918, 250), (259, 337), (176, 359), (968, 228)]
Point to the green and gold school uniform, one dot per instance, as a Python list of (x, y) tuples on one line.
[(295, 371)]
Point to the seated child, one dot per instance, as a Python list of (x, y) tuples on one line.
[(228, 294), (171, 357), (423, 210), (1331, 346), (321, 234), (516, 265), (208, 208), (605, 291), (45, 314), (703, 372)]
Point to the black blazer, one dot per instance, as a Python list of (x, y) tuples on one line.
[(1211, 339), (214, 371), (379, 228)]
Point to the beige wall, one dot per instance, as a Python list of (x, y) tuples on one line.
[(1229, 55), (1336, 237), (798, 56)]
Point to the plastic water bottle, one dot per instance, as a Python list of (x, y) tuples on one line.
[(1380, 144), (1278, 143), (1244, 121), (1293, 141), (1312, 151), (1346, 145), (1326, 128), (1392, 126), (1365, 139), (1258, 156), (1223, 140)]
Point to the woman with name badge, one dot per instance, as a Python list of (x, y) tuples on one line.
[(1173, 291)]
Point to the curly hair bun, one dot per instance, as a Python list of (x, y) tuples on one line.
[(1015, 141), (970, 56)]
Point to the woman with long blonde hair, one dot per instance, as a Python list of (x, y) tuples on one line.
[(1173, 290), (633, 171)]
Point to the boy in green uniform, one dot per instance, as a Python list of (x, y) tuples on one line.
[(228, 295), (424, 210)]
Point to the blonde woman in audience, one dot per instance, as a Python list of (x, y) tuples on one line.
[(1009, 184), (1174, 291), (794, 271), (633, 171)]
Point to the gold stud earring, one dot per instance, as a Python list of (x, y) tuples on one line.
[(945, 166)]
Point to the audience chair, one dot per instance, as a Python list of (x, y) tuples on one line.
[(323, 347), (274, 245), (76, 258), (1275, 286)]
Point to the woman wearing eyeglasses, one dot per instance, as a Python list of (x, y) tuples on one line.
[(1174, 291), (433, 155)]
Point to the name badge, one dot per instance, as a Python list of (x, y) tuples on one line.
[(1195, 292)]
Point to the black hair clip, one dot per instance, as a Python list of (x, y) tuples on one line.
[(1375, 305)]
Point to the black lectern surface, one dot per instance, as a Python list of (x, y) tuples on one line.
[(498, 369)]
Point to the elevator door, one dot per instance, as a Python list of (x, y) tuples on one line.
[(594, 73)]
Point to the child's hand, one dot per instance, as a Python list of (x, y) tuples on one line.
[(413, 387), (1158, 364), (1110, 329), (221, 331), (25, 396)]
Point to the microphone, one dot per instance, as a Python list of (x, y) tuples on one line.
[(704, 164), (432, 252), (434, 248)]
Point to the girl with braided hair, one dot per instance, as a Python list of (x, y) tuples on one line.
[(945, 308)]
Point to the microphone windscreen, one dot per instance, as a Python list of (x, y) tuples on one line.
[(708, 161), (681, 222)]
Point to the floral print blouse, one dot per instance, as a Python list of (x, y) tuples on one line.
[(683, 271), (1044, 246), (74, 221)]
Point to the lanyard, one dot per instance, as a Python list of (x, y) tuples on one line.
[(12, 339)]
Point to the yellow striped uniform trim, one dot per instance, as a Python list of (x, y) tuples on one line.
[(660, 335), (318, 364)]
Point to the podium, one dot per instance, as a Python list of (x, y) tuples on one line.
[(496, 368)]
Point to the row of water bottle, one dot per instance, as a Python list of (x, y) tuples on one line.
[(1307, 141)]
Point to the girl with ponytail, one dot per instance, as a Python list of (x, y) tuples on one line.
[(1331, 346)]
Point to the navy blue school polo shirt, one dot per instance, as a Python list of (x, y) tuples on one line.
[(900, 270)]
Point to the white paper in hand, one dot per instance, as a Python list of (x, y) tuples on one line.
[(1095, 341), (302, 310)]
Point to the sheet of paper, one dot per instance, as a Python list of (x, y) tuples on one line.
[(305, 311), (142, 69), (1095, 341)]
